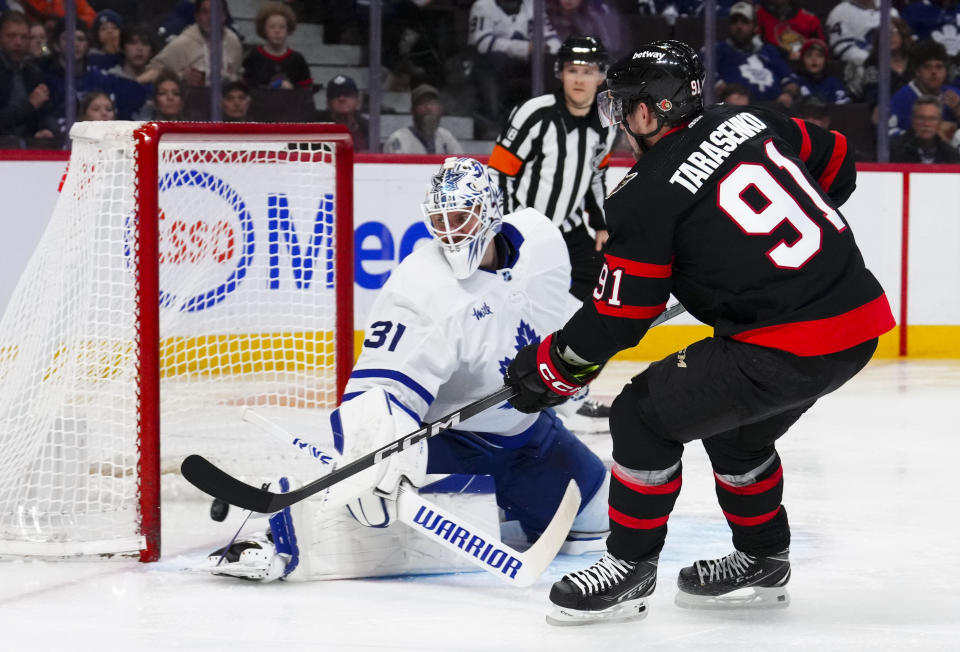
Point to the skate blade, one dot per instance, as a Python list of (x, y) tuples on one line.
[(621, 613), (745, 598), (581, 425)]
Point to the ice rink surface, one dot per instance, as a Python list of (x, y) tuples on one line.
[(872, 490)]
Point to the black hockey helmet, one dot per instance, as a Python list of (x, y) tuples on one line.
[(581, 49), (667, 75)]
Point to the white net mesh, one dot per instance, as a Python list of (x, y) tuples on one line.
[(247, 246)]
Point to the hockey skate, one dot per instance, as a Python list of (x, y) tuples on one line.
[(610, 591), (586, 416), (736, 581)]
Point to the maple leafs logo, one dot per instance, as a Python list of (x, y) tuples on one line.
[(525, 335)]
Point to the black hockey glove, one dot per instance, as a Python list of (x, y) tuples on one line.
[(542, 378)]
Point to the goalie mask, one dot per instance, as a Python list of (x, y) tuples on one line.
[(462, 212)]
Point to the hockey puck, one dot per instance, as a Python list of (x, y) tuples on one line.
[(219, 509)]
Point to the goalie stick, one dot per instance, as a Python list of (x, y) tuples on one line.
[(210, 479), (464, 539)]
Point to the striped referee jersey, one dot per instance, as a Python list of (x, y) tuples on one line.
[(553, 161)]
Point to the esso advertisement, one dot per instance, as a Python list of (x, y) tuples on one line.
[(229, 233), (242, 250)]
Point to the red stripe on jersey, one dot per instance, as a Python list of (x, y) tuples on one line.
[(648, 489), (836, 160), (629, 312), (823, 336), (637, 523), (753, 489), (805, 140), (751, 520), (634, 268)]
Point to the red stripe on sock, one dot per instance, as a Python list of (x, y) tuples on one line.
[(649, 489), (637, 523), (750, 520), (753, 489)]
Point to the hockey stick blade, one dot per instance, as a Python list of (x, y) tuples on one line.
[(484, 549), (668, 314), (207, 477)]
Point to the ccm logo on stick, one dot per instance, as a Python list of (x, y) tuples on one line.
[(414, 437)]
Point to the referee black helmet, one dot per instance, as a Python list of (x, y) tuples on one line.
[(583, 50)]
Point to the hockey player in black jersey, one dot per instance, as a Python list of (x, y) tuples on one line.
[(734, 210)]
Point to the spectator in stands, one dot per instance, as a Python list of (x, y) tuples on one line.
[(415, 38), (787, 27), (576, 17), (168, 98), (936, 19), (736, 94), (929, 63), (136, 47), (343, 107), (96, 106), (921, 143), (188, 55), (425, 135), (24, 97), (38, 40), (235, 102), (863, 80), (183, 15), (813, 108), (812, 75), (744, 59), (501, 33), (105, 53), (274, 64), (128, 96), (850, 25), (48, 11)]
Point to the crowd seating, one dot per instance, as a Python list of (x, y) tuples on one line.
[(328, 56)]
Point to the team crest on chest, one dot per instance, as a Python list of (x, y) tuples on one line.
[(525, 335)]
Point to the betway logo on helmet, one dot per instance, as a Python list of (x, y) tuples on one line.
[(649, 54)]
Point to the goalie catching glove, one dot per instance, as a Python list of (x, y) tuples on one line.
[(364, 424), (547, 374)]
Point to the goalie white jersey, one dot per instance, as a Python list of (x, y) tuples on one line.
[(436, 343)]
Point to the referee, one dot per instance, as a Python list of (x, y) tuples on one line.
[(553, 153), (552, 156)]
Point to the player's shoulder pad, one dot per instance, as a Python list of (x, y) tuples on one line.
[(421, 275), (534, 227), (540, 242)]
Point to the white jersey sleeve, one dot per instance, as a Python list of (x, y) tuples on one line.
[(405, 351), (493, 31), (850, 29)]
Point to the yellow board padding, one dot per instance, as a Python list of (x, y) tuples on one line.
[(933, 341), (307, 351), (663, 340)]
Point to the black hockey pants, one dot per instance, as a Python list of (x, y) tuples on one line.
[(738, 399)]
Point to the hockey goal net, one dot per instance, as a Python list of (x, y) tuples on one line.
[(188, 270)]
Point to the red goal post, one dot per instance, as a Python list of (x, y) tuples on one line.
[(189, 270)]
